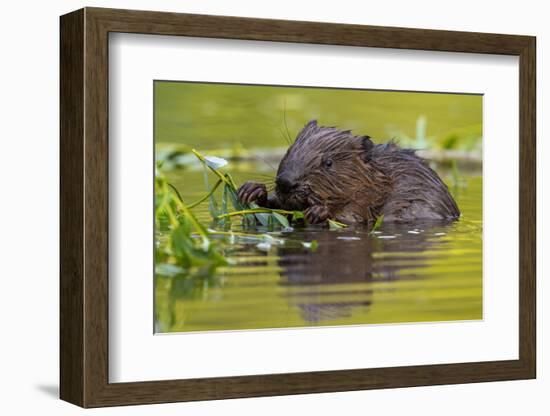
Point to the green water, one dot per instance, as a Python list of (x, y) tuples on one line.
[(403, 273)]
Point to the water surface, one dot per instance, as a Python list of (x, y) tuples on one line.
[(402, 273)]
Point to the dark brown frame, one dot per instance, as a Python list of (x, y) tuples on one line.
[(84, 208)]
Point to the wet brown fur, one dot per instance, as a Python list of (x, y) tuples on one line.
[(348, 178)]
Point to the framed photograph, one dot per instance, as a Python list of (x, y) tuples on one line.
[(255, 207)]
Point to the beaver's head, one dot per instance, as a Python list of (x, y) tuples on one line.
[(323, 166)]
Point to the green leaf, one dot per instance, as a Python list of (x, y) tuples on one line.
[(225, 194), (270, 222), (378, 223), (281, 219), (297, 215), (335, 225), (212, 203), (264, 219)]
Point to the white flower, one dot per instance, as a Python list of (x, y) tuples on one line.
[(215, 162)]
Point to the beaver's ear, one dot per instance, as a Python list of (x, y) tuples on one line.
[(307, 130), (367, 146)]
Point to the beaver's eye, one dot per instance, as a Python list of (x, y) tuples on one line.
[(328, 163)]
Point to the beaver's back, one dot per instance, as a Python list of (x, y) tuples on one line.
[(418, 193)]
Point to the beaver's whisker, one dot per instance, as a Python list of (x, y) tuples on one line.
[(288, 142), (264, 179), (266, 162), (256, 175), (267, 183), (286, 126)]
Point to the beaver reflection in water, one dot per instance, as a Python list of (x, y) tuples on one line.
[(332, 174)]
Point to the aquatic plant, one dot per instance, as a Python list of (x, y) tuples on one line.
[(377, 224), (185, 244), (335, 225), (251, 214)]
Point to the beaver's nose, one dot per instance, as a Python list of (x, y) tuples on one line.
[(285, 184)]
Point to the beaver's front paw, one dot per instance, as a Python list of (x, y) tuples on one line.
[(317, 214), (252, 192)]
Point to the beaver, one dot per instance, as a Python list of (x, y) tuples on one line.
[(332, 174)]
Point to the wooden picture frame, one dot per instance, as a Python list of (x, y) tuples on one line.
[(84, 207)]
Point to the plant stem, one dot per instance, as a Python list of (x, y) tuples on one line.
[(204, 198), (200, 228), (175, 191), (230, 233), (256, 211)]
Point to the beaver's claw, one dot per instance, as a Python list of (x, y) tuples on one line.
[(252, 192), (316, 214)]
